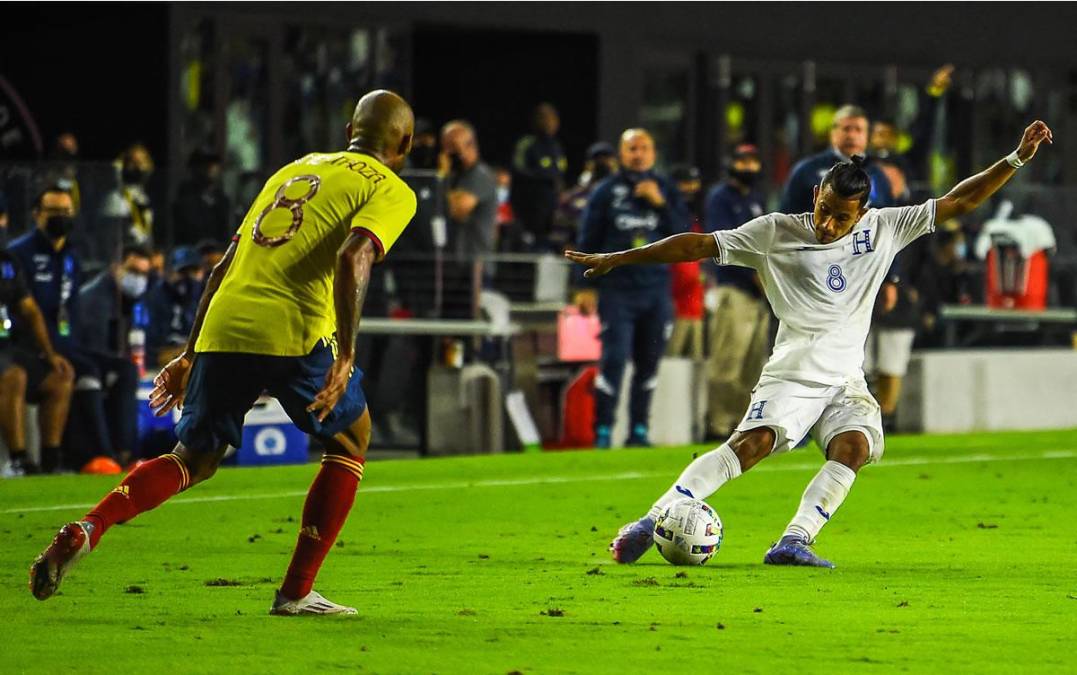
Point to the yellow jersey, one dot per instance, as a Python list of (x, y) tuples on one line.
[(277, 297)]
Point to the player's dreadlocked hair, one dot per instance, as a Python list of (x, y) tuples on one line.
[(848, 179)]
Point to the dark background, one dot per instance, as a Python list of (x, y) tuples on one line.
[(101, 69)]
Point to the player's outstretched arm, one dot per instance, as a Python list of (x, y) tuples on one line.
[(354, 262), (678, 248), (975, 190), (171, 383)]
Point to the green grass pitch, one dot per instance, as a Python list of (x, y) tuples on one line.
[(956, 554)]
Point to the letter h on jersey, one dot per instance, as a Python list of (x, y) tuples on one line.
[(756, 411), (862, 239)]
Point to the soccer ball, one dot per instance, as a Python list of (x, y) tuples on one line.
[(688, 532)]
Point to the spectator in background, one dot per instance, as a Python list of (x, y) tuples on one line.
[(157, 267), (944, 279), (66, 152), (629, 209), (202, 210), (538, 166), (212, 251), (172, 305), (889, 344), (126, 213), (911, 162), (51, 267), (600, 163), (40, 375), (471, 192), (509, 237), (424, 146), (54, 273), (848, 137), (687, 277), (740, 318), (112, 328)]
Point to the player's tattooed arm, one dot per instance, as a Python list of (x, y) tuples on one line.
[(975, 190), (685, 247), (354, 261), (171, 383)]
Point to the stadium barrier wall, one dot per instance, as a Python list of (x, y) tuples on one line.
[(989, 390)]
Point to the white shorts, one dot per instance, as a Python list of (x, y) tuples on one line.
[(794, 409), (888, 351)]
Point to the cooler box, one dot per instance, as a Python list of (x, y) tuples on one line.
[(578, 336), (270, 437), (156, 435)]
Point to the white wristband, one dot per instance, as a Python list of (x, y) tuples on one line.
[(1013, 160)]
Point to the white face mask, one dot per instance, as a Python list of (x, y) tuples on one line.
[(502, 194), (133, 284)]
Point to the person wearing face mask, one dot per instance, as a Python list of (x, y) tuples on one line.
[(471, 193), (38, 374), (126, 213), (111, 313), (172, 305), (54, 274), (848, 137), (739, 315), (600, 163), (631, 208), (202, 210)]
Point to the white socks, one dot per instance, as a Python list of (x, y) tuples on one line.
[(701, 478), (821, 499)]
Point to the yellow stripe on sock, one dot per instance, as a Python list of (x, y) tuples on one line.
[(350, 464), (185, 476)]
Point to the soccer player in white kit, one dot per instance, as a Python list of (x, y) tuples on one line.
[(821, 272)]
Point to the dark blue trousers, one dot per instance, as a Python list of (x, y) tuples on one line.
[(635, 325)]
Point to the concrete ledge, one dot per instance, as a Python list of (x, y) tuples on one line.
[(989, 390)]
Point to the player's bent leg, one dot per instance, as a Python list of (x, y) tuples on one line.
[(148, 486), (846, 453), (752, 446), (849, 448), (699, 480), (326, 509)]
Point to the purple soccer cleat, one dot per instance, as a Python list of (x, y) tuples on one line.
[(633, 540), (793, 551)]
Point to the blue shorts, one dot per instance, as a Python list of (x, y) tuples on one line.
[(224, 385)]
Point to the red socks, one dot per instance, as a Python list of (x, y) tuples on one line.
[(147, 487), (327, 506)]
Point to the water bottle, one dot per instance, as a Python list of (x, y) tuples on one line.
[(136, 337)]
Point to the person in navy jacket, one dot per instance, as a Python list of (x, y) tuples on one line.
[(848, 137), (54, 275), (633, 207)]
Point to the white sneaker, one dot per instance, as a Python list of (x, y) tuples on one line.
[(311, 603)]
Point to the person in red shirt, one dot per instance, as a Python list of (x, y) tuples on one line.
[(687, 278)]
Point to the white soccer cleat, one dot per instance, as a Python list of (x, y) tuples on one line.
[(311, 603)]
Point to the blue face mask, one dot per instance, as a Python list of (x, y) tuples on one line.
[(961, 250)]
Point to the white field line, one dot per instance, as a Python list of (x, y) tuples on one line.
[(555, 480)]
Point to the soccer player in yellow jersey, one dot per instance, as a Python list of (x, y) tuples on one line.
[(279, 314)]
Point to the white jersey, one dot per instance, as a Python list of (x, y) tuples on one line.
[(822, 294)]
